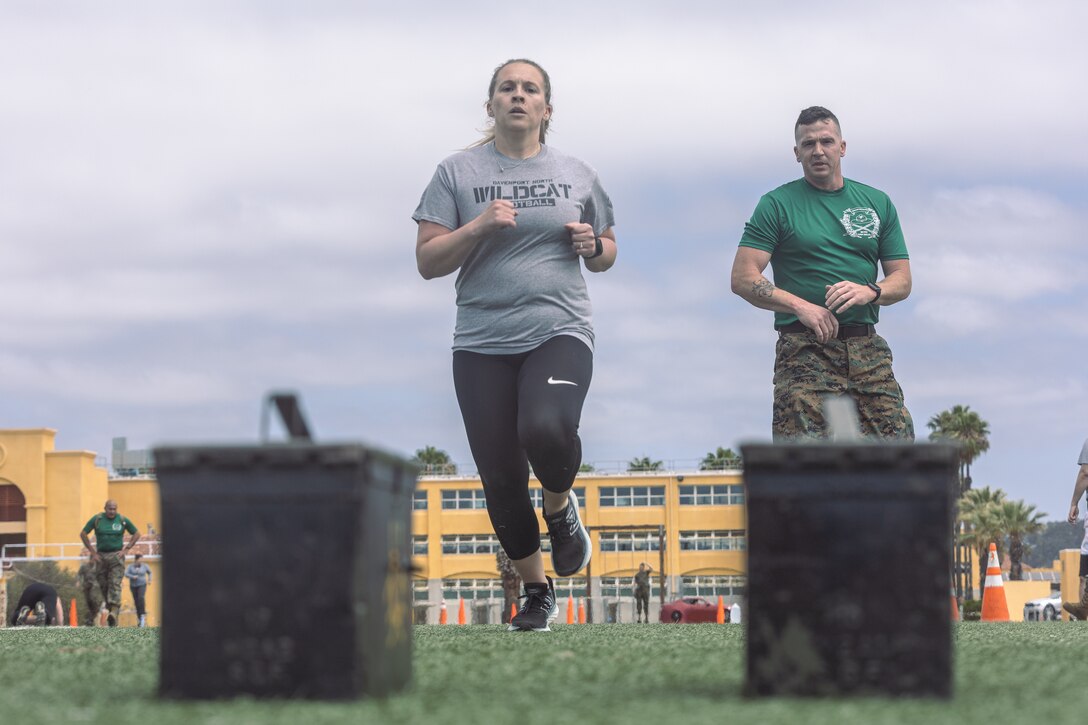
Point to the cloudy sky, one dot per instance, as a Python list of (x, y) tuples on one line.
[(203, 201)]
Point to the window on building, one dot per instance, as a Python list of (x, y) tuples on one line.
[(630, 541), (420, 590), (419, 546), (613, 587), (621, 496), (722, 540), (566, 587), (719, 494), (464, 499), (12, 503), (470, 544), (419, 500), (536, 495), (472, 589), (13, 510), (712, 586)]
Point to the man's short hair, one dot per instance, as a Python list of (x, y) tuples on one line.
[(139, 556), (812, 114)]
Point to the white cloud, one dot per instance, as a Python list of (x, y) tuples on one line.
[(980, 254), (201, 201)]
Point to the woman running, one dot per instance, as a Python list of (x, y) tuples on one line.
[(515, 219)]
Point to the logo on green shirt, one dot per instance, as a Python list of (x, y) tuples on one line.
[(861, 223)]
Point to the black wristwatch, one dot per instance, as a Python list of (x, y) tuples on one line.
[(874, 288), (600, 248)]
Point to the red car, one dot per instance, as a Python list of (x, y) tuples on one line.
[(691, 609)]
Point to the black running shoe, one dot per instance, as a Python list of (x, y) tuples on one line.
[(538, 609), (571, 545), (39, 614), (20, 618)]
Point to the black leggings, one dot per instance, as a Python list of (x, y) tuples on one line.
[(138, 598), (519, 410)]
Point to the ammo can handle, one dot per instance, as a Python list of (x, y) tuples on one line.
[(290, 411)]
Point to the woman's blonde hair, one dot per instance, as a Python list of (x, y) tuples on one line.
[(489, 133)]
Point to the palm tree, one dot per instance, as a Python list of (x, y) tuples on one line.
[(643, 464), (586, 468), (979, 523), (963, 426), (720, 460), (434, 461), (1018, 520)]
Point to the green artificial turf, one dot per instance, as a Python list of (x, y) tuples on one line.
[(626, 673)]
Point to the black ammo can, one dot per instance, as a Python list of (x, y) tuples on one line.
[(286, 571), (849, 561)]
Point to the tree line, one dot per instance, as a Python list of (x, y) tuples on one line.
[(984, 515), (436, 462)]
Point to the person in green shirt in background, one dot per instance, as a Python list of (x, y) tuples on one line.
[(109, 552), (823, 236)]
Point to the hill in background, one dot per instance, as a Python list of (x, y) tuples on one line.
[(1044, 546)]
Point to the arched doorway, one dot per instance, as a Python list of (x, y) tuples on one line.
[(12, 517)]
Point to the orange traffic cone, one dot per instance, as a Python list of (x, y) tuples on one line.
[(955, 604), (570, 609), (443, 615), (581, 611), (995, 608), (720, 617), (73, 615), (460, 610), (513, 610)]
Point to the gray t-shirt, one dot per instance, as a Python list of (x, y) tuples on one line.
[(1083, 460), (522, 286), (138, 574)]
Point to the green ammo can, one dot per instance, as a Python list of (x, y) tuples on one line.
[(286, 570), (849, 565)]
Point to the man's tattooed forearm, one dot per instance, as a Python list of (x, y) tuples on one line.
[(762, 288)]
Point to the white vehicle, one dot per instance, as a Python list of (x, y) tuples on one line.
[(1045, 609)]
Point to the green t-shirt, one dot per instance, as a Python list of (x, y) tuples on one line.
[(109, 534), (816, 238)]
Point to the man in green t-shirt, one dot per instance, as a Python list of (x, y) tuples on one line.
[(108, 553), (823, 236)]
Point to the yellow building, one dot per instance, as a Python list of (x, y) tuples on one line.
[(47, 496), (689, 527)]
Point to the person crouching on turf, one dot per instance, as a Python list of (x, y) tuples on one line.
[(38, 605)]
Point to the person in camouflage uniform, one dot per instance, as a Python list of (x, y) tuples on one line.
[(642, 593), (823, 236), (108, 553), (92, 594)]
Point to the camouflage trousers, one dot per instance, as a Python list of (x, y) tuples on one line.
[(94, 603), (110, 572), (806, 371)]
